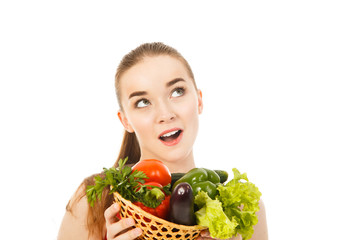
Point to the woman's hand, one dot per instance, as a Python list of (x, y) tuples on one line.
[(119, 229), (205, 235)]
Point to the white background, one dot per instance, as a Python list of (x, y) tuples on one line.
[(280, 82)]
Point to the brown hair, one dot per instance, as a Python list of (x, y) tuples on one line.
[(130, 147)]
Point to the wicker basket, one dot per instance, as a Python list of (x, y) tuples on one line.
[(155, 228)]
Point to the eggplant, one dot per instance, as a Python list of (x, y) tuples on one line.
[(182, 205)]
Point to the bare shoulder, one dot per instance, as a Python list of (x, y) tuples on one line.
[(260, 229), (73, 225)]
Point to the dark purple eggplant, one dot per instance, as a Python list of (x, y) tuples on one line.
[(182, 205)]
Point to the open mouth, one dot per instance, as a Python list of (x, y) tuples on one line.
[(170, 136)]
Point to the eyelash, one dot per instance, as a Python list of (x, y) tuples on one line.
[(181, 89), (140, 100)]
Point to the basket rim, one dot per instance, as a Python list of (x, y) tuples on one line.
[(118, 197)]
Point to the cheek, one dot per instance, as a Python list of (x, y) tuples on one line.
[(141, 125), (191, 115)]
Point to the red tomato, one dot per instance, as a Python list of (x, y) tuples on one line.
[(156, 171)]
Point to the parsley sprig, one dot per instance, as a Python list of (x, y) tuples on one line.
[(128, 183), (122, 179)]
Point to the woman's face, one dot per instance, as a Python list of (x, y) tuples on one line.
[(161, 105)]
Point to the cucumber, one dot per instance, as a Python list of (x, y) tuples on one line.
[(223, 175)]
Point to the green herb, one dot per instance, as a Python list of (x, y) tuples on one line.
[(122, 179)]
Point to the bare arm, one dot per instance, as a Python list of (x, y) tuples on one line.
[(260, 229), (73, 225)]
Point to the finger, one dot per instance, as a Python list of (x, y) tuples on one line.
[(205, 233), (119, 227), (131, 234), (110, 213)]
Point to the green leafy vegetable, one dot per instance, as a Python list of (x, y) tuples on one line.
[(151, 198), (212, 216), (128, 183), (238, 200)]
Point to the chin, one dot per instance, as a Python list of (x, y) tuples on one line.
[(177, 156)]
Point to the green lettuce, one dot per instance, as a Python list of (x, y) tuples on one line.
[(233, 211), (212, 216)]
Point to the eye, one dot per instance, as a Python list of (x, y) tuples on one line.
[(178, 92), (142, 103)]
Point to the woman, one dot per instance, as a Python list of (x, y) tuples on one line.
[(159, 108)]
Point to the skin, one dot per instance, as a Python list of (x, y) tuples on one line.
[(161, 107), (157, 95)]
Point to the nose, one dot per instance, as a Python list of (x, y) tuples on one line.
[(165, 114)]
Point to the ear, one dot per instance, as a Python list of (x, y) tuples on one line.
[(125, 121), (200, 102)]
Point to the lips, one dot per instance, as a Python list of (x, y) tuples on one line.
[(171, 137)]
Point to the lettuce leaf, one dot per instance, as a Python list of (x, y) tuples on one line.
[(212, 216), (238, 200)]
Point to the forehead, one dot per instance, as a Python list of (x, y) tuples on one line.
[(152, 72)]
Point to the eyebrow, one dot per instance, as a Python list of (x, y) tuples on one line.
[(172, 82), (169, 84), (138, 93)]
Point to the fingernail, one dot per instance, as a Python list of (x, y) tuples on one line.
[(205, 234)]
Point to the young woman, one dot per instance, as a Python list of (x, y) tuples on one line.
[(159, 108)]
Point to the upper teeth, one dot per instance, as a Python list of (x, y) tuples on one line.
[(170, 133)]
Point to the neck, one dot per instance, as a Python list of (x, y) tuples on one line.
[(182, 165)]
